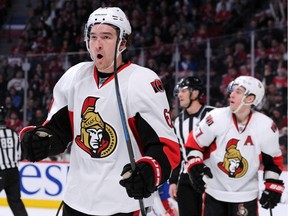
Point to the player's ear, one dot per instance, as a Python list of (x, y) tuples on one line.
[(195, 93), (250, 98), (122, 44)]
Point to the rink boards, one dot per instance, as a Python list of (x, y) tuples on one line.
[(43, 183)]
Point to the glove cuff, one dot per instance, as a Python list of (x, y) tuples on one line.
[(192, 161), (156, 168), (24, 130), (274, 185)]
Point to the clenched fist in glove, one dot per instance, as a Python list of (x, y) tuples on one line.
[(143, 181), (38, 143), (271, 196), (196, 170)]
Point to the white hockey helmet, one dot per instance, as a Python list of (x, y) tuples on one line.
[(251, 85), (108, 15)]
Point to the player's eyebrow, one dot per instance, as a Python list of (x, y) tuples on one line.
[(101, 33)]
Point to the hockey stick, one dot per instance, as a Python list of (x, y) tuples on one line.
[(59, 208), (123, 120), (270, 209)]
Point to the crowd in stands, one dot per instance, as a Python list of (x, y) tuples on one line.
[(54, 28)]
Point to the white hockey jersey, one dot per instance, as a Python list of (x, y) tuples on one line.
[(234, 155), (99, 149)]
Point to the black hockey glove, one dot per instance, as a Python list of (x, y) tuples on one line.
[(271, 196), (36, 143), (143, 181), (196, 170)]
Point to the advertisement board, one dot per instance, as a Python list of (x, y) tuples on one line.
[(43, 184)]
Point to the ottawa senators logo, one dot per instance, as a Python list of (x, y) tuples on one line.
[(97, 137), (234, 165), (209, 120), (157, 86)]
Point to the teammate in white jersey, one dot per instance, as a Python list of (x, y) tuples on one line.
[(233, 141), (85, 111)]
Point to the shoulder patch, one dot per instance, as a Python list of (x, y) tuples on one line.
[(209, 120), (157, 86)]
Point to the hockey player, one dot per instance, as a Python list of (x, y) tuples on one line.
[(233, 141), (85, 111), (190, 91)]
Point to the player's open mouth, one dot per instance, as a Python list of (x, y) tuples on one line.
[(99, 56)]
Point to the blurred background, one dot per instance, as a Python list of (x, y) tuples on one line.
[(216, 40)]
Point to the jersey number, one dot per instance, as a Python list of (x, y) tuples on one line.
[(168, 118), (6, 142)]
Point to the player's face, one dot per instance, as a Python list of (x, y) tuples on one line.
[(236, 97), (184, 97), (102, 44)]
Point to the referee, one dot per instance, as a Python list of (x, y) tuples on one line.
[(189, 91), (10, 154)]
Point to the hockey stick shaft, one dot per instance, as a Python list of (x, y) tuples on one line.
[(270, 209), (123, 121), (59, 208)]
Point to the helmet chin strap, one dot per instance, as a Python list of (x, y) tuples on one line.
[(241, 105), (118, 53), (191, 100)]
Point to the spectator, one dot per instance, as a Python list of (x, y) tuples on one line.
[(273, 49), (267, 76), (239, 54), (231, 74), (277, 10), (207, 11), (261, 61), (17, 98), (243, 71), (187, 66), (18, 82), (280, 79), (221, 3), (14, 122), (223, 15), (200, 35), (30, 111), (6, 69), (277, 117), (38, 117), (36, 85), (259, 48)]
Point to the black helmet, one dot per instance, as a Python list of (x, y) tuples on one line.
[(191, 82), (2, 113)]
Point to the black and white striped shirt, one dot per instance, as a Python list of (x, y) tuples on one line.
[(10, 151), (183, 125)]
